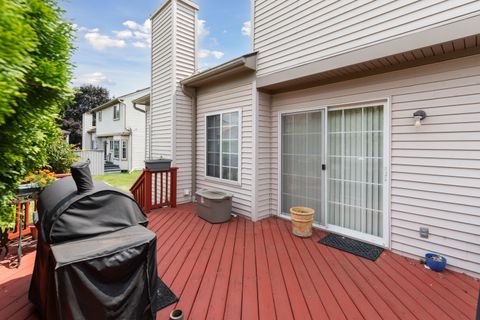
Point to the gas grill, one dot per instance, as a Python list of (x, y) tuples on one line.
[(95, 257)]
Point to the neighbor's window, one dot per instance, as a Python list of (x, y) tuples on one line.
[(99, 113), (124, 150), (223, 131), (116, 147), (116, 112)]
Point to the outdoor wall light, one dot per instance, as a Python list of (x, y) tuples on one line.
[(419, 116)]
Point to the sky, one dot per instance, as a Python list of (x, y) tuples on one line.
[(113, 39)]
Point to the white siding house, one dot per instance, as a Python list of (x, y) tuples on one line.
[(321, 114), (119, 130)]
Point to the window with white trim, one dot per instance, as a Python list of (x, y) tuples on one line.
[(116, 149), (223, 145), (116, 112), (124, 149), (99, 116)]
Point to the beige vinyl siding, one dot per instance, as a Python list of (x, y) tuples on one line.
[(236, 93), (136, 147), (173, 59), (292, 33), (264, 154), (435, 169), (147, 133), (161, 99), (184, 67)]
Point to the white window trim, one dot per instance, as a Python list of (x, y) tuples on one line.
[(385, 241), (239, 173), (99, 118), (121, 149), (119, 112)]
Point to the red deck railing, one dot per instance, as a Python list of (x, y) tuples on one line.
[(25, 211), (156, 189)]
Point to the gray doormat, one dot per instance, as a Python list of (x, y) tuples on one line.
[(352, 246)]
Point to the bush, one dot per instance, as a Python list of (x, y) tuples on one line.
[(7, 217), (60, 155)]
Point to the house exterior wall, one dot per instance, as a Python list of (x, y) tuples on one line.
[(135, 123), (161, 98), (435, 171), (235, 94), (147, 132), (173, 59), (185, 64), (86, 136), (108, 125), (293, 33), (264, 154)]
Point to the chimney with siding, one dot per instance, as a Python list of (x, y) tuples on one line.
[(174, 43)]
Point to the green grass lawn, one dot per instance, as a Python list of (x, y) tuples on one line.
[(119, 180)]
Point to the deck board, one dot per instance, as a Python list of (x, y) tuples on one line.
[(246, 270)]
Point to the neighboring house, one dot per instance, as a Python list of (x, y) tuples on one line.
[(321, 114), (118, 128)]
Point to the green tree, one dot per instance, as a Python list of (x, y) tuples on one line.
[(86, 98), (35, 70)]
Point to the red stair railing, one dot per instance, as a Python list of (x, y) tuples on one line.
[(156, 189)]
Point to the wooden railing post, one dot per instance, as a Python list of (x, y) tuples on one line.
[(173, 187), (148, 191)]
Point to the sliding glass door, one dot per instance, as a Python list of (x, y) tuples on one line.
[(350, 201), (302, 156), (355, 169)]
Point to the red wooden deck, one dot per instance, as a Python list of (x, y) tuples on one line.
[(245, 270)]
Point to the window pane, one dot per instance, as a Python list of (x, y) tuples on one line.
[(213, 146), (230, 163), (124, 149), (222, 145), (226, 173), (116, 147), (234, 160), (225, 160)]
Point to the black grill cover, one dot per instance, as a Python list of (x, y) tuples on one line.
[(66, 214), (111, 276), (95, 258)]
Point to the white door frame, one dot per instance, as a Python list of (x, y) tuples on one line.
[(386, 103)]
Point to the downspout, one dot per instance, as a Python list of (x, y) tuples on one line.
[(192, 93)]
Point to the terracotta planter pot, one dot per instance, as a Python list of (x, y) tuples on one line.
[(302, 221), (34, 232)]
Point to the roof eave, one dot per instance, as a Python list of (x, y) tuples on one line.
[(240, 64), (143, 100), (107, 104)]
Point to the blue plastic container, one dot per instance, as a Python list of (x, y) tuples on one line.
[(434, 264)]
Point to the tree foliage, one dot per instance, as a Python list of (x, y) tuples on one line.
[(86, 98), (35, 70)]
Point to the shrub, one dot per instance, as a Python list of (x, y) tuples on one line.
[(60, 155)]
